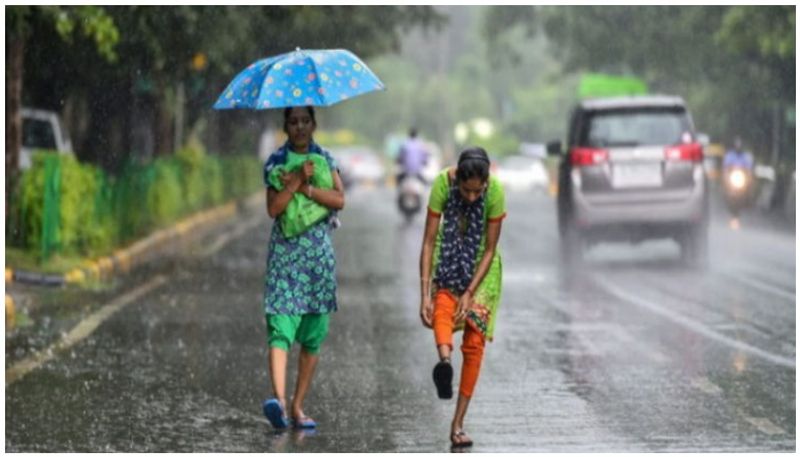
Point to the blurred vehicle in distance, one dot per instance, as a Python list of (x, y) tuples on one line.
[(522, 173), (737, 188), (712, 161), (632, 170), (764, 187), (41, 130), (358, 165), (411, 191), (434, 164), (269, 141), (537, 150)]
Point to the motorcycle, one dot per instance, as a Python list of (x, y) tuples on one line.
[(411, 190), (737, 189)]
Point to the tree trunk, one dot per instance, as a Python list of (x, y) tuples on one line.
[(15, 49), (163, 121)]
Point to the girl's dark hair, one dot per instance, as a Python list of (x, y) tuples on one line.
[(473, 163), (288, 111)]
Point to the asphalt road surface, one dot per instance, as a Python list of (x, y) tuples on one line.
[(635, 352)]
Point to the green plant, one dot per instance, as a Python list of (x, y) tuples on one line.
[(242, 175), (191, 159), (164, 199), (90, 212), (212, 175), (76, 211), (31, 203)]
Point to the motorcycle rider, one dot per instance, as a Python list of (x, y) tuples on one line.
[(412, 157), (737, 169)]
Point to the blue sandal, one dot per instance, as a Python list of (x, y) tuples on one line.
[(275, 413), (304, 422)]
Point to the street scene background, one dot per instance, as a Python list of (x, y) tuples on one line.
[(136, 232)]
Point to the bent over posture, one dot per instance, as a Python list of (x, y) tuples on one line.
[(460, 272)]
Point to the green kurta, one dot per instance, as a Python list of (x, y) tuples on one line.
[(488, 292)]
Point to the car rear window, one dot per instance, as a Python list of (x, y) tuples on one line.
[(640, 127)]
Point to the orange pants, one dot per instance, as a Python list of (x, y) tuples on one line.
[(444, 309)]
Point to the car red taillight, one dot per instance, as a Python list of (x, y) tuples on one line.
[(692, 152), (581, 157)]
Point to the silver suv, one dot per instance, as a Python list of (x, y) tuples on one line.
[(632, 170)]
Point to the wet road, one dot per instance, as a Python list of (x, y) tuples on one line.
[(634, 353)]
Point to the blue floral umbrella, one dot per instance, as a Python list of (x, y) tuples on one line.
[(304, 77)]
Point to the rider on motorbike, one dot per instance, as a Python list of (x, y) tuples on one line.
[(412, 158), (737, 169)]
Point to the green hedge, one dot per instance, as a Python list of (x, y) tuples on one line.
[(95, 212)]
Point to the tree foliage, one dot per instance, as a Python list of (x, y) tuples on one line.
[(128, 96), (89, 21), (765, 32), (735, 66)]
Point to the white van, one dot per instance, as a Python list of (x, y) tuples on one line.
[(41, 129)]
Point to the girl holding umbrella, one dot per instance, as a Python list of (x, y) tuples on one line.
[(300, 282), (460, 272)]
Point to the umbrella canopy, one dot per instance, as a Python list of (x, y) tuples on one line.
[(313, 77)]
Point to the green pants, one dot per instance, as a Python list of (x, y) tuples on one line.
[(309, 330)]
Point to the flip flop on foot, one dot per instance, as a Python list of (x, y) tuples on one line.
[(459, 438), (275, 413), (304, 422), (443, 378)]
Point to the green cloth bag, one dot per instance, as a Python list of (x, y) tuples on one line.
[(302, 212)]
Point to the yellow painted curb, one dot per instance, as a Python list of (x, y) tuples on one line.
[(10, 312), (75, 276), (182, 227), (106, 265), (93, 268), (123, 259)]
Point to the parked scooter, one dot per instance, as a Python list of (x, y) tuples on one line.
[(411, 191)]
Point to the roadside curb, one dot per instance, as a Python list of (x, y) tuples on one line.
[(10, 312), (138, 253)]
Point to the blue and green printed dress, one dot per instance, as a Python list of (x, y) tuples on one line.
[(301, 270)]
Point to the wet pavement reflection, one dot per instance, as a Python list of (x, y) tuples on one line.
[(633, 352)]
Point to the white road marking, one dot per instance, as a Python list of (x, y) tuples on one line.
[(704, 384), (622, 339), (639, 346), (695, 326), (80, 331), (765, 425), (761, 285)]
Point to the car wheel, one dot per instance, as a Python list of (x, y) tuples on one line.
[(694, 246), (572, 246)]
